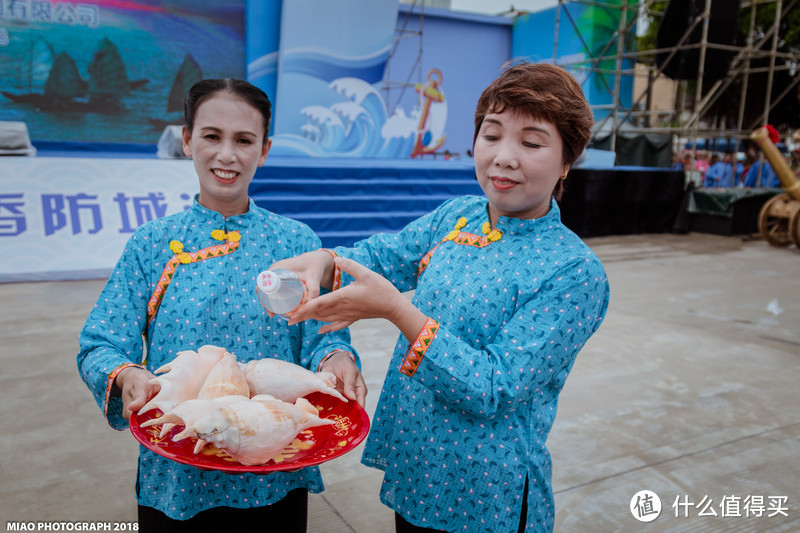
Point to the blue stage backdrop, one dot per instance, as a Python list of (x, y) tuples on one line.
[(347, 88), (331, 62), (467, 50), (110, 71), (263, 40)]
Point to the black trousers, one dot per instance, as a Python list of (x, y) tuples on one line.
[(289, 515), (402, 526)]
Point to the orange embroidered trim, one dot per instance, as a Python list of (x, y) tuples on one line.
[(337, 272), (182, 257), (416, 351), (110, 383), (463, 238), (423, 264)]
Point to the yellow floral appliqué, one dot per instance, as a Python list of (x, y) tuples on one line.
[(492, 235), (465, 239), (219, 235), (184, 258)]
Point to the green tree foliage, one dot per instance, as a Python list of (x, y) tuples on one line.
[(789, 25), (647, 41)]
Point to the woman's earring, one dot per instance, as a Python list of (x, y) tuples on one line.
[(563, 177)]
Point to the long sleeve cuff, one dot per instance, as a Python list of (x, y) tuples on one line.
[(418, 348), (110, 385), (338, 350), (337, 272)]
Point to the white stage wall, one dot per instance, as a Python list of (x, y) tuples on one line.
[(70, 217)]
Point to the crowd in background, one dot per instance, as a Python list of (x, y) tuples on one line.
[(748, 168)]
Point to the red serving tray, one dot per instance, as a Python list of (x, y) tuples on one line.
[(311, 447)]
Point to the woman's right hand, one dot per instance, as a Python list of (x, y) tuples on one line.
[(314, 268), (134, 382)]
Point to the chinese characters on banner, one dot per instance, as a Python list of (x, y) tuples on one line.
[(61, 211), (46, 11), (69, 218)]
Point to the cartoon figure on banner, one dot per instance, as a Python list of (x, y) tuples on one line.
[(429, 94), (359, 124)]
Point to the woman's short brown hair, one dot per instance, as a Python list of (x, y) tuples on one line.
[(543, 92)]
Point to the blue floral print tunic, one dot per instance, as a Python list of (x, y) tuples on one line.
[(465, 410), (211, 263)]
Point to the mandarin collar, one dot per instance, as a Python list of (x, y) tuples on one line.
[(215, 218), (522, 226)]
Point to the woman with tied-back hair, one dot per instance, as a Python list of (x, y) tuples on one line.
[(188, 280)]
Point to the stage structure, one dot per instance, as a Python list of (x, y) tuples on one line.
[(427, 85), (428, 91), (693, 58), (404, 82)]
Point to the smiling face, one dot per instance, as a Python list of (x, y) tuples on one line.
[(227, 146), (518, 161)]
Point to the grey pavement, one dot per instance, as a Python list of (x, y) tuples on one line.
[(689, 389)]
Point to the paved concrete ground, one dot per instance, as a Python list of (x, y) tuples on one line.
[(689, 389)]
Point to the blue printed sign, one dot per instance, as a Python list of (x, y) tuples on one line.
[(69, 218)]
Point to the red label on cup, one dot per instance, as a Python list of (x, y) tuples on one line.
[(266, 279)]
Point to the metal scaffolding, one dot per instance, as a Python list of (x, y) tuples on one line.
[(690, 124), (402, 33)]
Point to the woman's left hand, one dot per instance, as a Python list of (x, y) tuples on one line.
[(369, 296), (349, 380)]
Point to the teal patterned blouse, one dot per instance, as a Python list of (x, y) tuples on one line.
[(183, 281), (465, 410)]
